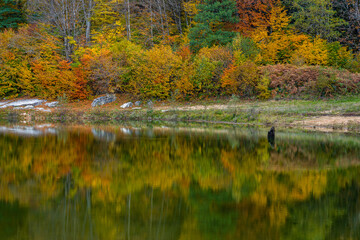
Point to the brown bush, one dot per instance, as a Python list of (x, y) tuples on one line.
[(289, 81)]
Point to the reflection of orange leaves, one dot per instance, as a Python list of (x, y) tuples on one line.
[(278, 214), (226, 159), (94, 180), (309, 184), (259, 198)]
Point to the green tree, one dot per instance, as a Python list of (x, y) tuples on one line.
[(11, 14), (316, 18), (213, 23), (349, 11)]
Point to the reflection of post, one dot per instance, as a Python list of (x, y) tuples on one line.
[(161, 214), (66, 215), (129, 208), (75, 217), (88, 201), (180, 206), (164, 221), (151, 211)]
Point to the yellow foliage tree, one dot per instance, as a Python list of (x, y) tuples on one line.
[(276, 41), (272, 36), (154, 75), (311, 52)]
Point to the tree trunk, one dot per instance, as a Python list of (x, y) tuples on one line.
[(128, 25), (151, 24)]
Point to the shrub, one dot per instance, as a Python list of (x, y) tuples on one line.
[(262, 88), (354, 64), (153, 75), (325, 84), (241, 79), (208, 66), (297, 82), (338, 56), (204, 76)]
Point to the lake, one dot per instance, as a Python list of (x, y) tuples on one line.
[(158, 182)]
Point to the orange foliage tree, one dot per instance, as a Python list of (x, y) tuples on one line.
[(31, 64), (241, 79), (252, 14)]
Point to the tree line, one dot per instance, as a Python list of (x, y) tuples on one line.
[(174, 48)]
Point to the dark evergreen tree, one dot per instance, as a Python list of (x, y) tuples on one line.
[(212, 24), (11, 14)]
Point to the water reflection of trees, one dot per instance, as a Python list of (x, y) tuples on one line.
[(176, 186)]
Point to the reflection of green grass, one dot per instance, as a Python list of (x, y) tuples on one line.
[(330, 217), (213, 211), (12, 217)]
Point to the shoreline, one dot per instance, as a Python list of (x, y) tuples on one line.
[(342, 114)]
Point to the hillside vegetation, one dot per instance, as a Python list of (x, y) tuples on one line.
[(179, 50)]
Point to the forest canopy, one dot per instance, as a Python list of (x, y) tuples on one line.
[(179, 49)]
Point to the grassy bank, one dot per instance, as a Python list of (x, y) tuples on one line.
[(343, 113)]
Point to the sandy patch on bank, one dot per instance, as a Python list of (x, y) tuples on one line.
[(199, 107), (330, 121)]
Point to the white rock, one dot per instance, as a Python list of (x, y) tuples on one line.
[(26, 107), (3, 103), (26, 102), (150, 104), (109, 98), (22, 103), (52, 104), (43, 109), (29, 107), (127, 105)]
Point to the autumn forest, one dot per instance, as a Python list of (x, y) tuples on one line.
[(179, 49)]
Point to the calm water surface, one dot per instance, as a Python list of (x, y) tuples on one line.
[(117, 182)]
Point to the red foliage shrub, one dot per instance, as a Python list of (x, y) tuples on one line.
[(289, 81)]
